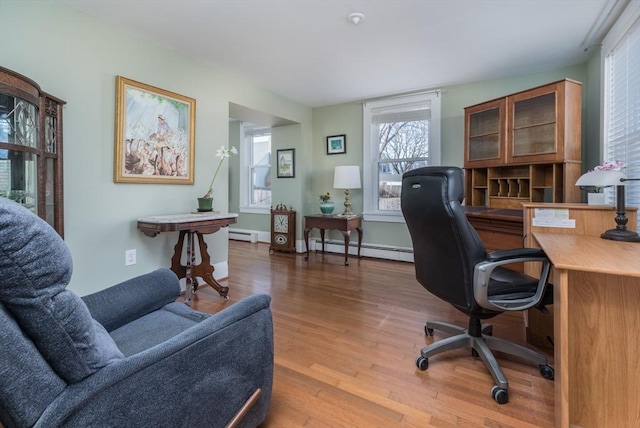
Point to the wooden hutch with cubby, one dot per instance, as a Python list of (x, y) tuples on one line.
[(521, 148)]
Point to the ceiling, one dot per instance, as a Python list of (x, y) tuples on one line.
[(307, 51)]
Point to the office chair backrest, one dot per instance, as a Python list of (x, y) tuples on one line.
[(445, 246)]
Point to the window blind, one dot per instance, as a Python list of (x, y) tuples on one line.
[(622, 98), (402, 113)]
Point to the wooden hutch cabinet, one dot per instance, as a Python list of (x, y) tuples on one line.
[(521, 148), (31, 147), (525, 147)]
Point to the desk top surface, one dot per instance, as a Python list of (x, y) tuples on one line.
[(591, 253), (186, 218)]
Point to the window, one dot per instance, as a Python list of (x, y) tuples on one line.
[(255, 178), (621, 51), (400, 134)]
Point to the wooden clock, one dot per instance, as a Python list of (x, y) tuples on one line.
[(283, 229)]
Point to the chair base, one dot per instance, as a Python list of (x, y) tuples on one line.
[(483, 345)]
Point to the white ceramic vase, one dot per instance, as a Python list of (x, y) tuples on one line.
[(595, 198)]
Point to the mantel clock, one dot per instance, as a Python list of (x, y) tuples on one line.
[(283, 229)]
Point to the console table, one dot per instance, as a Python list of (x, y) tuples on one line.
[(342, 223), (190, 226)]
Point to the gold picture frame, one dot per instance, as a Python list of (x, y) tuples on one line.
[(155, 135)]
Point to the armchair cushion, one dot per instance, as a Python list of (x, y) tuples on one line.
[(33, 288)]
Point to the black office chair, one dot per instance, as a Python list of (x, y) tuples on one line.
[(452, 263)]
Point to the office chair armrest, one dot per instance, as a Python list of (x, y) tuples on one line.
[(514, 254), (482, 276)]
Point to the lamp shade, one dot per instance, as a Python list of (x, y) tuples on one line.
[(346, 177), (601, 179)]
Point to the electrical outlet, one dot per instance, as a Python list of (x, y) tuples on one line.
[(130, 257)]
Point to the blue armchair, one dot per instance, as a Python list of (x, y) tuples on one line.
[(129, 355)]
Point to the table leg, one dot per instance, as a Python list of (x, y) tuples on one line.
[(178, 268), (205, 270), (306, 242), (359, 229), (322, 239), (191, 271), (346, 235)]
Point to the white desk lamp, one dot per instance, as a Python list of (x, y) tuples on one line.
[(347, 177), (618, 179)]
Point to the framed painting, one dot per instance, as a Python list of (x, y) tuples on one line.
[(155, 134), (336, 144), (286, 163)]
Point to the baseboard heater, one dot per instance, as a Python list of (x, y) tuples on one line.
[(367, 250), (243, 235)]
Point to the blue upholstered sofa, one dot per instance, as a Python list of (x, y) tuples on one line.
[(127, 356)]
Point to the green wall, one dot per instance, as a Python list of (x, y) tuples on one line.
[(77, 58), (347, 119)]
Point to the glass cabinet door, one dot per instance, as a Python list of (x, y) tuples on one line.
[(19, 156), (537, 130), (534, 125), (30, 147), (484, 134)]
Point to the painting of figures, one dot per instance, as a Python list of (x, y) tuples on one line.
[(154, 134)]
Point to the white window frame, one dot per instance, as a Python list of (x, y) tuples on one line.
[(630, 145), (370, 151), (246, 150)]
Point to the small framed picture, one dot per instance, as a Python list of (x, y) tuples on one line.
[(286, 163), (336, 144)]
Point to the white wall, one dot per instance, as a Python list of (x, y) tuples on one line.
[(75, 57)]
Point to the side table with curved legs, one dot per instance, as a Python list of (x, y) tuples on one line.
[(192, 227)]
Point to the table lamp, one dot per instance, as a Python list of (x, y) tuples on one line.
[(347, 177), (618, 179)]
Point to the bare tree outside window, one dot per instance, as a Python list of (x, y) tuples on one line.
[(403, 146)]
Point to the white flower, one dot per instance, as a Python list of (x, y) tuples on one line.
[(221, 153), (610, 166)]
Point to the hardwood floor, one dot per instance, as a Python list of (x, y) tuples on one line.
[(346, 340)]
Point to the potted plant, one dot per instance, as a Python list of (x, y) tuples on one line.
[(205, 203), (326, 204)]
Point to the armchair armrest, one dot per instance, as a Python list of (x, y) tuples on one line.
[(120, 304), (199, 378), (515, 254), (484, 270)]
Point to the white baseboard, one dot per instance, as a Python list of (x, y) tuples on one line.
[(386, 252)]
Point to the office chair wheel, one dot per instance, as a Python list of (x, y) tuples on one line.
[(422, 362), (428, 331), (547, 371), (501, 395)]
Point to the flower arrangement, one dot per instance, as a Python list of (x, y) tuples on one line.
[(610, 166), (222, 153), (325, 197)]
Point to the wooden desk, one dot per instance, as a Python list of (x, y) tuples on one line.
[(588, 220), (597, 318), (338, 222), (189, 225), (499, 229)]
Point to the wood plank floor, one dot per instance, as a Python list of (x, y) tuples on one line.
[(346, 340)]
